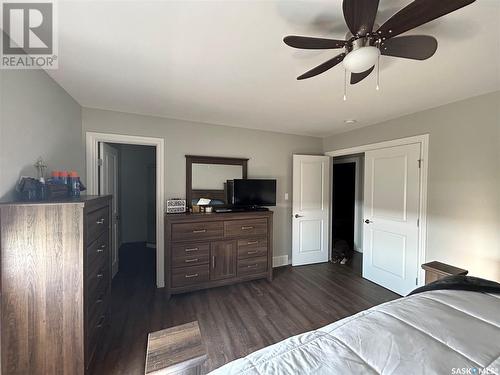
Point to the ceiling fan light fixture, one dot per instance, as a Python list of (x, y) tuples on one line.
[(361, 59)]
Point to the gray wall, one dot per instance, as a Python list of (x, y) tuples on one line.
[(134, 162), (270, 154), (38, 118), (464, 178)]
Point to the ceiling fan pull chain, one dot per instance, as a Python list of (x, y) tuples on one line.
[(345, 85), (378, 74)]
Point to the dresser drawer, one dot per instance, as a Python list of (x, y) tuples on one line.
[(252, 266), (95, 335), (190, 260), (97, 223), (190, 254), (97, 301), (189, 275), (197, 231), (98, 254), (252, 247), (244, 228), (190, 249), (98, 279)]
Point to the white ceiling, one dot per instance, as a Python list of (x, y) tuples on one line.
[(224, 62)]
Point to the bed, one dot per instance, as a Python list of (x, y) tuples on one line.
[(393, 338)]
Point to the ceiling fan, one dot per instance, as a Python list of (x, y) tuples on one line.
[(363, 45)]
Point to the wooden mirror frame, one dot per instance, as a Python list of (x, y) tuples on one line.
[(197, 159)]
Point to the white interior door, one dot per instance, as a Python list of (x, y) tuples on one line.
[(109, 185), (311, 202), (391, 210)]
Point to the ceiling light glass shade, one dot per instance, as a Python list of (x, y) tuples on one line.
[(361, 59)]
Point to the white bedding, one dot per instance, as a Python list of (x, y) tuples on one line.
[(437, 332)]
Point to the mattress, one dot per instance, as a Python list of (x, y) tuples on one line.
[(436, 332)]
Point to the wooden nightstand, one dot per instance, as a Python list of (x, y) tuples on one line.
[(437, 270), (176, 351)]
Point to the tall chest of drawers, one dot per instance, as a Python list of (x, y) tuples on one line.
[(56, 284), (215, 249)]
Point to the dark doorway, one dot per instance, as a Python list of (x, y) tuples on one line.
[(344, 188)]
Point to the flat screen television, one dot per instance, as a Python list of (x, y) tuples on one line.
[(254, 192)]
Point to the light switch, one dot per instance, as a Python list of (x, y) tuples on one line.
[(286, 196)]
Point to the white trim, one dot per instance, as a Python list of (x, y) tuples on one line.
[(423, 140), (92, 140), (280, 260), (375, 146)]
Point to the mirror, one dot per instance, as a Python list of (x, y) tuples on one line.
[(213, 176), (206, 177)]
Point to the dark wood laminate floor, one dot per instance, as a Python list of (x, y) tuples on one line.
[(234, 320)]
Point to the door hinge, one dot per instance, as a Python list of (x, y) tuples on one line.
[(416, 280), (419, 163), (418, 222), (99, 162)]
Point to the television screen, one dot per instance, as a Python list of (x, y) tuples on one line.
[(254, 192)]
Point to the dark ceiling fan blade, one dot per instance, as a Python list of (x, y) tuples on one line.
[(417, 13), (360, 15), (417, 47), (306, 42), (358, 77), (323, 67)]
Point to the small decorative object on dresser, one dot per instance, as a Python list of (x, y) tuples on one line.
[(56, 284), (176, 205), (437, 270), (215, 249), (178, 350)]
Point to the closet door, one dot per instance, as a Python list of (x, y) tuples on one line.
[(391, 209)]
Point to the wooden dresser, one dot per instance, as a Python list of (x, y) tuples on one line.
[(56, 283), (215, 249), (436, 270)]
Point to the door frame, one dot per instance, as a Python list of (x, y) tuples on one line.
[(423, 140), (92, 140)]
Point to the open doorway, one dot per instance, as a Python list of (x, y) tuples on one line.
[(128, 172), (347, 202), (153, 178)]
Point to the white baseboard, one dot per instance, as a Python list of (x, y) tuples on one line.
[(280, 261)]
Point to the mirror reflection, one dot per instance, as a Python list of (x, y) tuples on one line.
[(214, 176), (208, 181)]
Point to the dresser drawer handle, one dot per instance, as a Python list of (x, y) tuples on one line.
[(99, 300), (101, 248), (101, 321), (252, 242), (192, 275), (253, 266), (100, 275), (100, 221), (252, 252), (199, 231), (246, 228), (191, 260), (191, 249)]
